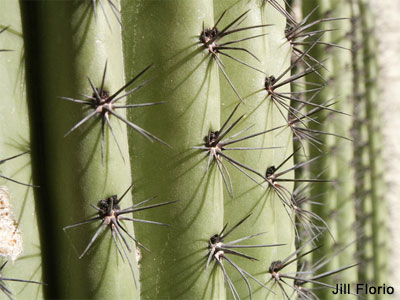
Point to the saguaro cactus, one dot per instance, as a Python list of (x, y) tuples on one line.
[(174, 113)]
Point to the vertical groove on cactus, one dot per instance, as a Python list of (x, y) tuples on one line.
[(370, 81), (359, 134), (63, 38), (325, 164)]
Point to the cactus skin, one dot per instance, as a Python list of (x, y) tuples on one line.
[(158, 178), (326, 193), (374, 148), (269, 215), (62, 37), (188, 82), (363, 186), (369, 77), (338, 207), (359, 137), (15, 139), (342, 81)]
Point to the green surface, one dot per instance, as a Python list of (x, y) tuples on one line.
[(15, 139), (64, 45), (166, 34)]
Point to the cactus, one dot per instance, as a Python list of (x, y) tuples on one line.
[(181, 114), (19, 235)]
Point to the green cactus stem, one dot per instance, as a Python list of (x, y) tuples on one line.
[(185, 76), (65, 44), (269, 213), (22, 249)]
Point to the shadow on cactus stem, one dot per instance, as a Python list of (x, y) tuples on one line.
[(288, 15), (210, 38), (1, 31), (113, 7), (13, 180)]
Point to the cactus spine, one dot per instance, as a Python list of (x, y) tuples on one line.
[(14, 140)]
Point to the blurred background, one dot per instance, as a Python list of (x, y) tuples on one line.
[(388, 32)]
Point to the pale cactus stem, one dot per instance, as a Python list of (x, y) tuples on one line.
[(166, 34), (345, 187), (326, 165), (18, 225), (268, 212), (382, 239), (381, 220), (374, 145), (380, 215), (65, 43), (360, 154)]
